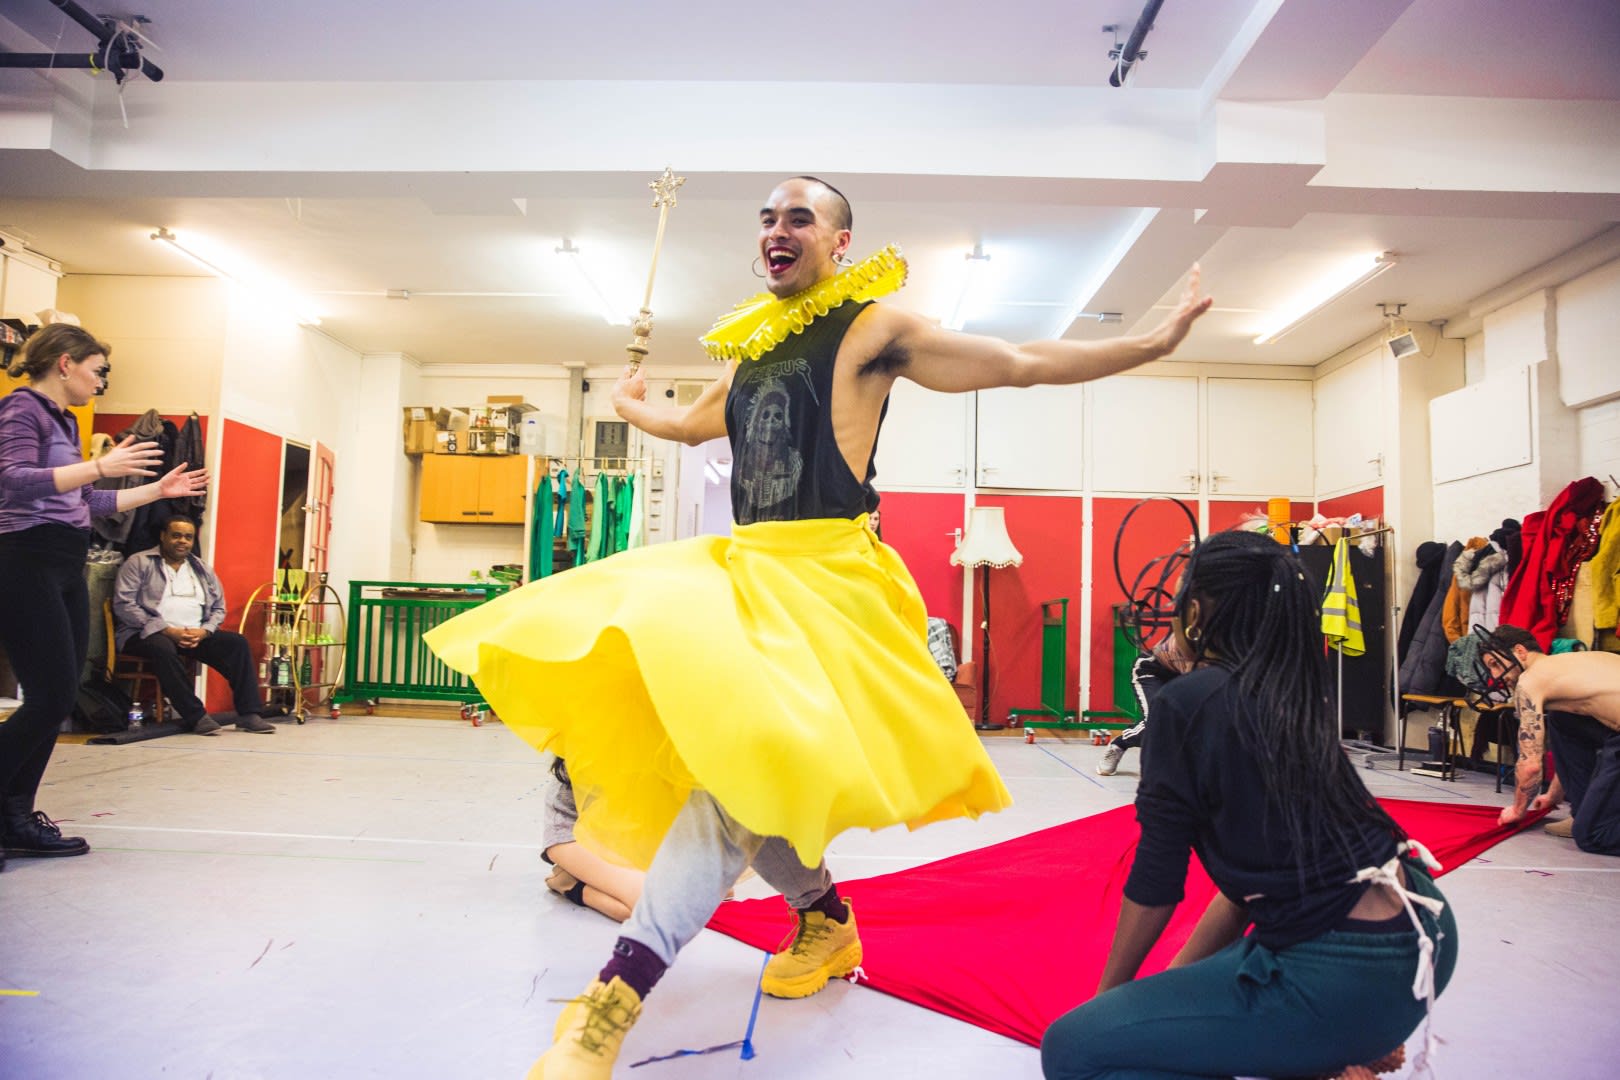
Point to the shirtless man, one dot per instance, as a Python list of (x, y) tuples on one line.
[(1569, 703)]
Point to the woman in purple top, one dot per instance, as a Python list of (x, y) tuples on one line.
[(47, 497)]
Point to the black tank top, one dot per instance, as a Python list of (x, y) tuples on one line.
[(786, 464)]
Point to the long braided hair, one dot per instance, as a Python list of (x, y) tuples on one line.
[(1261, 620)]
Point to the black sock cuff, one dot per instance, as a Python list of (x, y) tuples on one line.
[(577, 893)]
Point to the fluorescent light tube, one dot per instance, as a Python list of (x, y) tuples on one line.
[(1346, 279), (272, 294)]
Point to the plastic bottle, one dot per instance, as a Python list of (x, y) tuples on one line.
[(137, 716), (531, 439)]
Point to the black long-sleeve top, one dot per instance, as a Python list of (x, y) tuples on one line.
[(1202, 791)]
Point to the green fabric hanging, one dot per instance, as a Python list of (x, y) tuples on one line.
[(540, 534), (624, 518), (601, 510), (576, 521)]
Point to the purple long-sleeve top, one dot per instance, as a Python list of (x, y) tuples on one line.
[(36, 438)]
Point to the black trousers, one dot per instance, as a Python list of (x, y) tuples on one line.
[(226, 652), (1587, 755), (45, 629), (1148, 677)]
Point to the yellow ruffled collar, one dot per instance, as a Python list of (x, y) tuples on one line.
[(763, 322)]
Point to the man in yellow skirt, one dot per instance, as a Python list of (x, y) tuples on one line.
[(726, 702)]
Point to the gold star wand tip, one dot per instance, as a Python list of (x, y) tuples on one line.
[(664, 187)]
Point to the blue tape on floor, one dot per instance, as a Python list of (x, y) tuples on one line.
[(746, 1042)]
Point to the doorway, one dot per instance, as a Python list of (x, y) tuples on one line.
[(294, 494)]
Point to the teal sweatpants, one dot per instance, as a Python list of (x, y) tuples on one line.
[(1308, 1010)]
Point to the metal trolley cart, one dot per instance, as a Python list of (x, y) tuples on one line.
[(298, 629), (386, 657)]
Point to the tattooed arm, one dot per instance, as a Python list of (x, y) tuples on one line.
[(1532, 744)]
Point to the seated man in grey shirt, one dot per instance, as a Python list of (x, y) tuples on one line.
[(168, 605)]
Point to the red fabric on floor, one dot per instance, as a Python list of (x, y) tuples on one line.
[(1009, 937)]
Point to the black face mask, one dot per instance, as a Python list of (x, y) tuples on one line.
[(1497, 689)]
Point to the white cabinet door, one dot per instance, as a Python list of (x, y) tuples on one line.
[(1031, 438), (924, 439), (1349, 426), (1260, 439), (25, 289), (1144, 434)]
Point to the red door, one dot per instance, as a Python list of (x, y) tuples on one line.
[(245, 491)]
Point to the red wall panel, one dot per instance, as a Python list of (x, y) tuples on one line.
[(246, 522), (1157, 529), (1368, 503), (920, 525), (1047, 530)]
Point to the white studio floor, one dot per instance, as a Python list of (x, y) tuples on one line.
[(365, 898)]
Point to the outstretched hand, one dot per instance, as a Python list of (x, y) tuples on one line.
[(1193, 305), (178, 482), (130, 458)]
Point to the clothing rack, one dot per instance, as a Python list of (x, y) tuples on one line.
[(618, 464)]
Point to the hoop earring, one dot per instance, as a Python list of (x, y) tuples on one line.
[(1193, 635), (754, 266), (843, 260)]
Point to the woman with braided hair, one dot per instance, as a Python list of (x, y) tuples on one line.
[(1348, 939)]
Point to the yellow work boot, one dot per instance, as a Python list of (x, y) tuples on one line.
[(822, 949), (1564, 827), (589, 1033)]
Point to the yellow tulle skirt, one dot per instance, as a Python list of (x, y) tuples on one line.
[(784, 670)]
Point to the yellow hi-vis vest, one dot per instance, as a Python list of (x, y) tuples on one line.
[(1341, 612)]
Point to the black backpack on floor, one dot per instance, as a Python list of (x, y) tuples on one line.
[(102, 706)]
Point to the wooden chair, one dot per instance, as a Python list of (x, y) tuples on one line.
[(136, 671)]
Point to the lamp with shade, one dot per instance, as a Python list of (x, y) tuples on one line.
[(986, 544)]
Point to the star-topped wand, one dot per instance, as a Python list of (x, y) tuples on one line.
[(663, 198)]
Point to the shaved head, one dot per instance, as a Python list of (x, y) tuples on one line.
[(838, 212)]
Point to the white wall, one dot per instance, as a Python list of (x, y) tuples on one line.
[(378, 501), (1567, 443), (167, 335)]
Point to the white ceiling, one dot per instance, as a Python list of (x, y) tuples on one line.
[(346, 153)]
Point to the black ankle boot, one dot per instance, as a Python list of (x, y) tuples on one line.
[(29, 834)]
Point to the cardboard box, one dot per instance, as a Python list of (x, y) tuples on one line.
[(504, 399), (420, 427)]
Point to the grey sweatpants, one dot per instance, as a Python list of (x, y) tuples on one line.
[(699, 860)]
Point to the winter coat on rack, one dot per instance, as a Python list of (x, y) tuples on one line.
[(1606, 571), (1509, 539), (1484, 573), (1556, 542), (1424, 669), (1429, 557), (1455, 616), (188, 447)]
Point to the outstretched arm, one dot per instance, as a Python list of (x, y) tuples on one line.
[(951, 362), (1532, 745), (696, 423)]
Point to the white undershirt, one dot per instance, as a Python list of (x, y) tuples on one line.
[(183, 600)]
